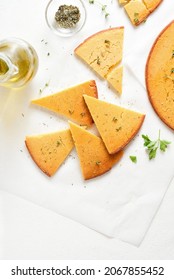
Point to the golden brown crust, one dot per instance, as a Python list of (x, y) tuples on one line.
[(93, 84), (155, 7), (37, 163), (134, 134), (157, 110)]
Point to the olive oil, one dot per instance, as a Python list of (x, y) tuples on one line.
[(18, 62), (3, 67)]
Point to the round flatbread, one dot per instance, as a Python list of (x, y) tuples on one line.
[(160, 75)]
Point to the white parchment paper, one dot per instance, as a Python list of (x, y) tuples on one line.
[(123, 202)]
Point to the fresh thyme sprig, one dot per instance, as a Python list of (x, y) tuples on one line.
[(103, 7), (44, 87), (153, 146)]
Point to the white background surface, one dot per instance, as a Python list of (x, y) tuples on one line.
[(32, 232), (29, 231)]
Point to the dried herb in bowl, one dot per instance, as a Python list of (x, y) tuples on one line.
[(67, 16)]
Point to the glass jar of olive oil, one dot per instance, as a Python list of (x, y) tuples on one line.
[(18, 62)]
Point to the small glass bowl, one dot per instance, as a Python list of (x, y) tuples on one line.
[(51, 10)]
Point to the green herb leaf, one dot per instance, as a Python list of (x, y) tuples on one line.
[(107, 42), (152, 153), (136, 15), (104, 7), (164, 144), (133, 159), (115, 119), (98, 60), (58, 143), (146, 140), (42, 89), (71, 112), (106, 15), (118, 129), (153, 146)]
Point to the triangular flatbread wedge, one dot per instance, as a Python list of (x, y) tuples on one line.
[(93, 155), (50, 150), (116, 125), (70, 102), (115, 78), (137, 11), (103, 50)]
